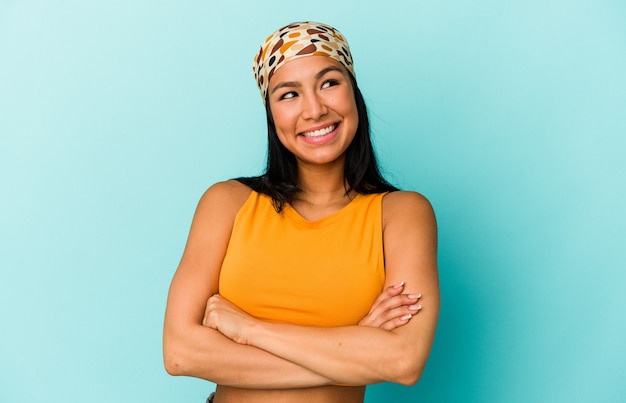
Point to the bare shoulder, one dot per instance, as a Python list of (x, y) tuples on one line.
[(406, 206), (225, 198), (212, 225)]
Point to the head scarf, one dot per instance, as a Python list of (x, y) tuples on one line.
[(297, 40)]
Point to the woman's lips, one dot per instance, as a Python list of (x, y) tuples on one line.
[(320, 132), (321, 135)]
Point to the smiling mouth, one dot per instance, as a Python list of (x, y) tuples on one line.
[(320, 132)]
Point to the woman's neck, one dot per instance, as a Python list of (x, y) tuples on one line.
[(323, 193), (322, 186)]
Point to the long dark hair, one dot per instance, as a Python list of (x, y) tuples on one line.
[(361, 172)]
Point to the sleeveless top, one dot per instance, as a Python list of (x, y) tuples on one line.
[(280, 267)]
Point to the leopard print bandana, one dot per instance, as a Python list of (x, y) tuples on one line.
[(296, 40)]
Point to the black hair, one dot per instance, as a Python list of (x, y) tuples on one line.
[(361, 171)]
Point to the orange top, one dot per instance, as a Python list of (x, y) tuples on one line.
[(283, 268)]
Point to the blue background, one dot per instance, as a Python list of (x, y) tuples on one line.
[(116, 115)]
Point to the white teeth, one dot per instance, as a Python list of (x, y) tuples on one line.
[(321, 132)]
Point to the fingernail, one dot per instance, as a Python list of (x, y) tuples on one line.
[(399, 285), (414, 296), (415, 307), (406, 317)]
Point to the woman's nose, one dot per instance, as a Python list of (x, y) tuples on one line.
[(314, 107)]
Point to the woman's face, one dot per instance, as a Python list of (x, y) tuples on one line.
[(315, 114)]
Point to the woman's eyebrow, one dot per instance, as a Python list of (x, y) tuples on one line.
[(295, 84), (290, 84), (327, 70)]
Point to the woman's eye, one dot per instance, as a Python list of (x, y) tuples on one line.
[(288, 95), (329, 83)]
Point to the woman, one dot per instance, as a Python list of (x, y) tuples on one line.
[(305, 284)]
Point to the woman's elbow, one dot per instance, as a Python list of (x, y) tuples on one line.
[(409, 378), (171, 364), (173, 359), (407, 366), (408, 372)]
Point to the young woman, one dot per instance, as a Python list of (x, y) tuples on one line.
[(318, 277)]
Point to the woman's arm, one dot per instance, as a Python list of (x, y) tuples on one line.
[(194, 350), (361, 354)]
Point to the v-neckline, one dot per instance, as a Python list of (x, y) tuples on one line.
[(293, 214)]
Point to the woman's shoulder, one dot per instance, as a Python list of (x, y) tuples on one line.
[(402, 205), (405, 198), (226, 197), (231, 187)]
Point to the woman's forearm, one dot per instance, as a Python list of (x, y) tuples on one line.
[(205, 353), (355, 355)]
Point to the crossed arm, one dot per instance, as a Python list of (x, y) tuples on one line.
[(216, 341)]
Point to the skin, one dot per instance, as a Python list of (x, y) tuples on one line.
[(206, 336)]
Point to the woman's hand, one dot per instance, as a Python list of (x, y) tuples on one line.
[(228, 319), (392, 309)]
